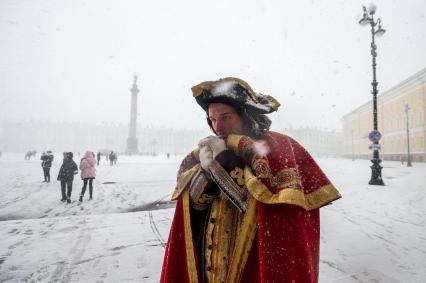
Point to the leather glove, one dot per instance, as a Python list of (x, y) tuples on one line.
[(206, 157), (216, 144)]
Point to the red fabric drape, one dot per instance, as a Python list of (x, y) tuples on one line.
[(174, 264)]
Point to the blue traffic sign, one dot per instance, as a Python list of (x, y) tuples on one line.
[(374, 136)]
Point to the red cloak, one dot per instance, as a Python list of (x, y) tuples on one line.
[(279, 236)]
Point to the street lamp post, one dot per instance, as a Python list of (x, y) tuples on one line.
[(376, 30), (407, 107)]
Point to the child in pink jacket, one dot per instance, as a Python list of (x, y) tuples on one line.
[(88, 173)]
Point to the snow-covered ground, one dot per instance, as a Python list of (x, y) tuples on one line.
[(372, 234)]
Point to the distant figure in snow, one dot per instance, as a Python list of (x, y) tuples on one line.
[(66, 176), (98, 157), (168, 155), (27, 155), (88, 173), (30, 153), (46, 164), (113, 158)]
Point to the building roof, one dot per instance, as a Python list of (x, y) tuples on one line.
[(411, 82)]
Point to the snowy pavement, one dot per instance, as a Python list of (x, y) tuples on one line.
[(372, 234), (129, 184)]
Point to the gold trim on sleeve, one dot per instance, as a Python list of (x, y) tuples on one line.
[(183, 180), (190, 253), (232, 142), (316, 199), (197, 185), (196, 153), (228, 187)]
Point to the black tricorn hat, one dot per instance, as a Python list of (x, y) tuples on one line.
[(236, 92)]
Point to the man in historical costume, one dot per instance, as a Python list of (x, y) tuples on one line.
[(248, 198)]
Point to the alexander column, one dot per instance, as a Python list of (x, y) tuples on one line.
[(132, 141)]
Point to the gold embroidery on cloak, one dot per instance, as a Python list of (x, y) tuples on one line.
[(243, 243), (220, 236), (190, 252), (316, 199)]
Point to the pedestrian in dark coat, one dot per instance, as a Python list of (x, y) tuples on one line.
[(98, 156), (112, 158), (46, 164), (66, 176)]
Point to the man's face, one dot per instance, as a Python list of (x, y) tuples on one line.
[(225, 120)]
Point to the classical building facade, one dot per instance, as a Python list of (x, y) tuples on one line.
[(319, 143), (392, 122), (23, 136)]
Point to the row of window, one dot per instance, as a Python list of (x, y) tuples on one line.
[(397, 123), (400, 122), (416, 144)]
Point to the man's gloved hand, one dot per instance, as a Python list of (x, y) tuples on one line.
[(206, 157), (216, 144)]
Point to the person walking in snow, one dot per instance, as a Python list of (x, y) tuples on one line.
[(46, 164), (66, 176), (112, 158), (88, 173), (98, 157), (115, 158)]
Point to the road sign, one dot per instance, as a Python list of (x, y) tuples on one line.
[(374, 136), (374, 146)]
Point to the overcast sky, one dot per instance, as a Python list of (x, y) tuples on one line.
[(74, 60)]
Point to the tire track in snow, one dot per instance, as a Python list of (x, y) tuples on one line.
[(154, 228)]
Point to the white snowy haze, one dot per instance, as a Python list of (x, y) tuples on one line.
[(74, 60), (66, 69)]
